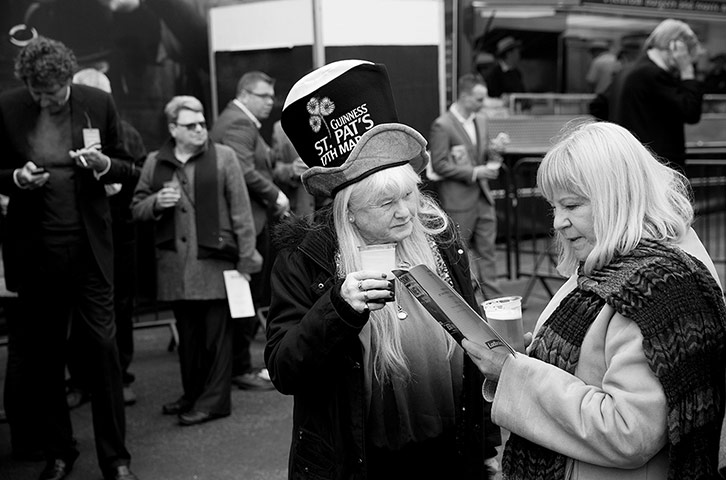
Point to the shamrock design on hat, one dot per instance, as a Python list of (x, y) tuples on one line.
[(318, 109)]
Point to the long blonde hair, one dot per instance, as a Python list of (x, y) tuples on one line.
[(389, 359), (633, 195)]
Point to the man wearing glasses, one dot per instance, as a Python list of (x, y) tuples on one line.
[(238, 127), (194, 192)]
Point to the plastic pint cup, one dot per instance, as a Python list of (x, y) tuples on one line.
[(504, 315), (379, 258)]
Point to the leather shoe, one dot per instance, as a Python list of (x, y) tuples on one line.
[(56, 469), (121, 472), (176, 408), (195, 417), (252, 381)]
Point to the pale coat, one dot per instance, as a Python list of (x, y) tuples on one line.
[(610, 416), (181, 275)]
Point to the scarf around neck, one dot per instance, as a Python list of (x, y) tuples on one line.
[(681, 313), (205, 202)]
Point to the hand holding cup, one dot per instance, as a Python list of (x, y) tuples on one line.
[(168, 196)]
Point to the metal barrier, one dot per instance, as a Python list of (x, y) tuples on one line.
[(532, 229), (708, 180), (530, 233)]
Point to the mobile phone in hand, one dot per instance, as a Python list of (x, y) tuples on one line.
[(39, 171)]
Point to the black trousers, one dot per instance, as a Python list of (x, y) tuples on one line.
[(21, 408), (63, 282), (124, 275), (205, 354)]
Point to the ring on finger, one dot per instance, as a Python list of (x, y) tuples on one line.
[(360, 285)]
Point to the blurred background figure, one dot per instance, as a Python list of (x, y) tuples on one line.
[(194, 192), (603, 66), (124, 251), (463, 160), (658, 94), (505, 77), (715, 80)]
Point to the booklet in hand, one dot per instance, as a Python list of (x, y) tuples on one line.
[(449, 309)]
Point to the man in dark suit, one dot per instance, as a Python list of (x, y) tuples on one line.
[(461, 156), (238, 126), (60, 145)]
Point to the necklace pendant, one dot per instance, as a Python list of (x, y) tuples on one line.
[(402, 314)]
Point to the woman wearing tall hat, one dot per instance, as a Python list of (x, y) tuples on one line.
[(381, 390)]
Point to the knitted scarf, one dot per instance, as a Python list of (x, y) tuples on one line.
[(681, 314)]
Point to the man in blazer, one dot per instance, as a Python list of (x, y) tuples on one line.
[(238, 127), (60, 145), (464, 163)]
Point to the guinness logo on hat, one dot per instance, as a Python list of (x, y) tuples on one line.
[(328, 110), (342, 120)]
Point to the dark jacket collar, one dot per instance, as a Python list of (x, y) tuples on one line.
[(166, 151), (315, 237)]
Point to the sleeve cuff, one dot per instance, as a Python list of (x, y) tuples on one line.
[(344, 310), (103, 172), (16, 181)]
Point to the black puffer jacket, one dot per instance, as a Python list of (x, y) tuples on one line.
[(313, 352)]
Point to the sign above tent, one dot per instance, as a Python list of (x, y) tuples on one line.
[(694, 6)]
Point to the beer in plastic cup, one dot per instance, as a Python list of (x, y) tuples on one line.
[(504, 315), (379, 258)]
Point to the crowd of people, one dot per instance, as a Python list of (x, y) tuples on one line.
[(625, 371)]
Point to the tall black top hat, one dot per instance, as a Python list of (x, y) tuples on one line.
[(342, 120)]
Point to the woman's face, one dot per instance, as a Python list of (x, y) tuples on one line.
[(573, 220), (387, 221)]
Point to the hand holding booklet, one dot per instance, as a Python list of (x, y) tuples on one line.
[(449, 309), (239, 295)]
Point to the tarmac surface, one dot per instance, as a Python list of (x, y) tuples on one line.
[(251, 444)]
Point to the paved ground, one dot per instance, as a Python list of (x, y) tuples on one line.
[(251, 444)]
